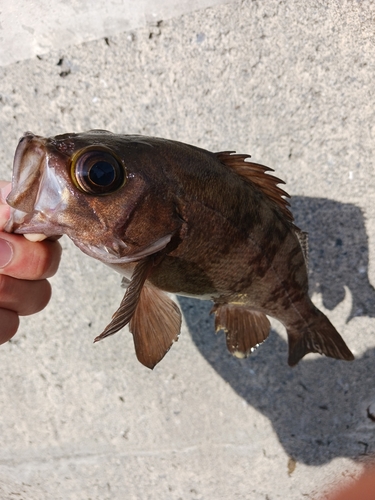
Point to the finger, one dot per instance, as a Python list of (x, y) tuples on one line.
[(9, 322), (5, 188), (22, 296), (4, 215), (28, 260)]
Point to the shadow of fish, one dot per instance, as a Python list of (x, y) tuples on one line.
[(300, 407), (175, 218)]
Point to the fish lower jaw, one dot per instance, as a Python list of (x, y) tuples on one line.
[(30, 233), (32, 228)]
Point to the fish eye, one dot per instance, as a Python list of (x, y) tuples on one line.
[(97, 172)]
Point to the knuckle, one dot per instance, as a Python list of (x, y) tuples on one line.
[(36, 295), (43, 296), (45, 259), (6, 286)]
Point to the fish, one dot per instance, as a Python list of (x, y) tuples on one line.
[(173, 218)]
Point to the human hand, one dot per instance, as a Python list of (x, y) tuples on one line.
[(362, 489), (24, 267)]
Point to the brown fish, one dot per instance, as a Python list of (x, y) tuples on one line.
[(175, 218)]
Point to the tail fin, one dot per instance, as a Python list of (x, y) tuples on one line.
[(317, 336)]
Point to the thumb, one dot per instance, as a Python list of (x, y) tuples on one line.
[(5, 188)]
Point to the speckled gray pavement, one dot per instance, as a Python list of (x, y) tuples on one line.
[(291, 83)]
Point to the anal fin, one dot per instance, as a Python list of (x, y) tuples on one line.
[(155, 325), (245, 329)]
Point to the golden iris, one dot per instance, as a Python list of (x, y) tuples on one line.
[(96, 170)]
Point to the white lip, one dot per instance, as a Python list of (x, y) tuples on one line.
[(34, 237)]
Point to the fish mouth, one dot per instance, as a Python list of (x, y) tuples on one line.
[(34, 188), (27, 165)]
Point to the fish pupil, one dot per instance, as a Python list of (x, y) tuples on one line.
[(102, 173)]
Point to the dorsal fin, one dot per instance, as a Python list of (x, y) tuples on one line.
[(256, 174)]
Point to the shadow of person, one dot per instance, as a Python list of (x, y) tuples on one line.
[(319, 408), (338, 252)]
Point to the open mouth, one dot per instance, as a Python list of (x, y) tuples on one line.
[(35, 191)]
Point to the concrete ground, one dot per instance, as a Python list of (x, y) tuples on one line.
[(291, 83)]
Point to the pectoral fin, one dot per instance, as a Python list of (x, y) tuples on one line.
[(155, 320), (130, 301), (244, 329), (155, 325)]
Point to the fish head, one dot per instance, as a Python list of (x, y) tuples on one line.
[(91, 187)]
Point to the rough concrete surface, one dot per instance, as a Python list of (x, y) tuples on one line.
[(29, 28), (291, 83)]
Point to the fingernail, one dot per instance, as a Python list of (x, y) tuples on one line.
[(6, 253)]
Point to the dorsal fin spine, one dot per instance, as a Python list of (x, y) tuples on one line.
[(256, 175)]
